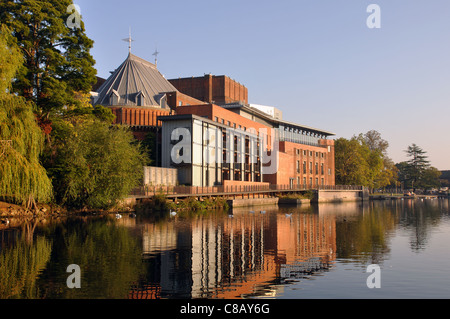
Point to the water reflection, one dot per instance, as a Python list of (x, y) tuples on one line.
[(222, 257), (213, 255), (33, 265)]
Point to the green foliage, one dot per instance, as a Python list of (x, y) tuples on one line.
[(363, 161), (96, 165), (160, 203), (431, 178), (57, 62), (22, 178), (305, 195), (194, 205), (351, 165), (10, 59), (417, 171), (150, 144)]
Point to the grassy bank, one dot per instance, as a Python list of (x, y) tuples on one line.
[(162, 203), (306, 195)]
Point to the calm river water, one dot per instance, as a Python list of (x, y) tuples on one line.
[(320, 251)]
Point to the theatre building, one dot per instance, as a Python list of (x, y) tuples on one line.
[(209, 132)]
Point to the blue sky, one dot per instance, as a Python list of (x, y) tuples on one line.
[(315, 60)]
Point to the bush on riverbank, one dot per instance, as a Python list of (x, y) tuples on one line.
[(305, 195), (95, 165), (160, 202)]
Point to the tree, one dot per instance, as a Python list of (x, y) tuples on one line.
[(351, 167), (374, 141), (382, 167), (430, 178), (23, 180), (363, 160), (417, 171), (57, 62), (150, 143), (96, 165), (417, 164)]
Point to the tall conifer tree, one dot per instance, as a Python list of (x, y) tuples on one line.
[(418, 164), (57, 61)]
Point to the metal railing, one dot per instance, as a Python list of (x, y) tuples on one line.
[(235, 189)]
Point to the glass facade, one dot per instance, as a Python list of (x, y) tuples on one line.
[(300, 136), (221, 153)]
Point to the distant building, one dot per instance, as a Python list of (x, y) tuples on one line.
[(269, 110)]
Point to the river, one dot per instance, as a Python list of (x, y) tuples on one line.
[(312, 251)]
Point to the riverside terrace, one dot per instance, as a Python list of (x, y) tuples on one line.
[(253, 193)]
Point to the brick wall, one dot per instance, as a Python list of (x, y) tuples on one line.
[(138, 116), (212, 89), (175, 99), (292, 156)]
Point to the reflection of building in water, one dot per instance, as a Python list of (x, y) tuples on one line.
[(231, 257), (307, 244)]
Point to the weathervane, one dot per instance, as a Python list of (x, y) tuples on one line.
[(129, 40), (156, 57)]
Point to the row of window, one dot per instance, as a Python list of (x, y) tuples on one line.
[(228, 123), (310, 153), (311, 170)]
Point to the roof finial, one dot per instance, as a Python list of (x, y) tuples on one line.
[(156, 56), (129, 40)]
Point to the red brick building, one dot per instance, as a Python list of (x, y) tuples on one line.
[(140, 97)]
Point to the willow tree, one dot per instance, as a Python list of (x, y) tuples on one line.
[(23, 180)]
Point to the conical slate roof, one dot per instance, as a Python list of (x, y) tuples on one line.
[(136, 82)]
